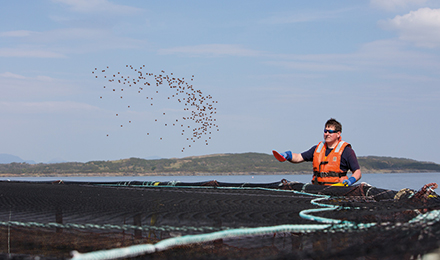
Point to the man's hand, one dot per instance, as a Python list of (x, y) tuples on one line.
[(282, 156), (350, 181)]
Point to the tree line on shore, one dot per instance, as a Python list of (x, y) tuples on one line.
[(244, 163)]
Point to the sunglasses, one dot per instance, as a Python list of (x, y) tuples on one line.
[(330, 131)]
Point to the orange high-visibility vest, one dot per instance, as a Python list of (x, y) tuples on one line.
[(326, 169)]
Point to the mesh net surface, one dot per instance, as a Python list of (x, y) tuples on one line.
[(50, 220)]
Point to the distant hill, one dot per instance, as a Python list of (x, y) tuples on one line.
[(217, 164), (57, 160), (392, 164), (9, 158)]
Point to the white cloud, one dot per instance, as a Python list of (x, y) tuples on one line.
[(421, 27), (29, 52), (303, 16), (65, 34), (19, 33), (212, 50), (391, 54), (378, 55), (313, 65), (375, 55), (17, 87), (11, 75), (292, 18), (61, 42), (50, 107), (97, 6), (411, 78), (392, 5)]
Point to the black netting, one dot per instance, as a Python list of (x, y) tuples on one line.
[(50, 220)]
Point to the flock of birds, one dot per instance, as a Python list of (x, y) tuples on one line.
[(198, 122)]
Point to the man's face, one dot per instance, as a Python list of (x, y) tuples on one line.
[(329, 137)]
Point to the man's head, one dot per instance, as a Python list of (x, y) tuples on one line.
[(332, 132), (332, 123)]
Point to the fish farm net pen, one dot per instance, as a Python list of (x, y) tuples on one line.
[(216, 220)]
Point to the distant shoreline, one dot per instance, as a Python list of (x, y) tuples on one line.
[(220, 164), (123, 174)]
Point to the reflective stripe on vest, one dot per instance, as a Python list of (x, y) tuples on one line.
[(340, 144), (321, 144)]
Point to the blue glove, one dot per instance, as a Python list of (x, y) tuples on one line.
[(287, 155), (350, 181)]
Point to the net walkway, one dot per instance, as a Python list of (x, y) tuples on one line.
[(214, 220)]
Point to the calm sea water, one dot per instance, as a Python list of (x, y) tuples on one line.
[(394, 181)]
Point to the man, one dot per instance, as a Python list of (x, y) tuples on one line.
[(331, 159)]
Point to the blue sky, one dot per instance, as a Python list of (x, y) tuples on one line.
[(276, 71)]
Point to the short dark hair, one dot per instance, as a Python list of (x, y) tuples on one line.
[(335, 124)]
